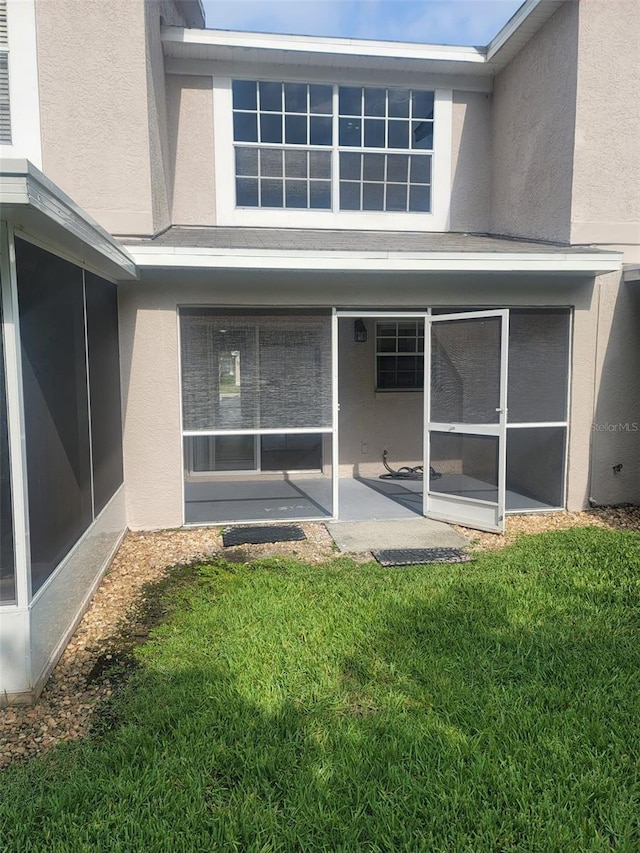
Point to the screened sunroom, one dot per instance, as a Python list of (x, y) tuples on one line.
[(287, 415)]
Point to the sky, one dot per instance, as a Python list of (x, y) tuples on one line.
[(467, 22)]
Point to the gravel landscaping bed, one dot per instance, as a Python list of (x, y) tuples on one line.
[(77, 687)]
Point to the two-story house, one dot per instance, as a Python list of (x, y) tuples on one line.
[(238, 268)]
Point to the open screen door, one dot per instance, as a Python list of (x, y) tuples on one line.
[(465, 441)]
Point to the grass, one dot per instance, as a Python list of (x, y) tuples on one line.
[(491, 706)]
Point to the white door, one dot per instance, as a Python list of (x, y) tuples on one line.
[(465, 435)]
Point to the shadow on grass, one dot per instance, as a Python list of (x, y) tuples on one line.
[(487, 711)]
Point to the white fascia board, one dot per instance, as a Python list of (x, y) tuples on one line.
[(23, 185), (179, 257), (323, 45)]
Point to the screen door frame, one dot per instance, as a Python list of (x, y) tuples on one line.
[(457, 509)]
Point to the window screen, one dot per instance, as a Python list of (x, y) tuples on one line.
[(255, 372), (51, 310)]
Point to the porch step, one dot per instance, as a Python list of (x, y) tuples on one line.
[(360, 536)]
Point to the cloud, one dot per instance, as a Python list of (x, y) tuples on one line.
[(472, 22)]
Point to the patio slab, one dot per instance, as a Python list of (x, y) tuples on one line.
[(358, 536)]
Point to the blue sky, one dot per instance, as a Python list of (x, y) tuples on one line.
[(470, 22)]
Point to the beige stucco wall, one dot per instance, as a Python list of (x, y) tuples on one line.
[(190, 117), (103, 108), (470, 161), (606, 177), (93, 108), (150, 380), (533, 133), (616, 435)]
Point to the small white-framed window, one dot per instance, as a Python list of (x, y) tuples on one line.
[(330, 155), (399, 355)]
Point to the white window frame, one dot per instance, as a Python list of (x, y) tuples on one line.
[(24, 95), (402, 389), (224, 167)]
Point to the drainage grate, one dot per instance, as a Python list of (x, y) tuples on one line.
[(418, 556), (262, 535)]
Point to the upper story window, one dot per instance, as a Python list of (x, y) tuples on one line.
[(5, 113), (333, 148)]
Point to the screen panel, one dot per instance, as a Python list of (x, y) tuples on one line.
[(104, 383), (464, 465), (465, 371), (535, 467), (539, 347), (51, 310), (7, 557), (255, 371)]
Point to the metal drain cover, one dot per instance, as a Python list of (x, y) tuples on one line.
[(262, 535), (418, 556)]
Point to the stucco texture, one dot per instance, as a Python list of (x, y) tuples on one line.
[(93, 103), (470, 162), (150, 371), (606, 179), (190, 116), (533, 133)]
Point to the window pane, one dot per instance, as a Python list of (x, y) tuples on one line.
[(321, 130), (321, 99), (422, 135), (320, 195), (244, 95), (55, 405), (398, 134), (374, 102), (271, 193), (422, 104), (374, 133), (270, 128), (247, 192), (295, 130), (247, 161), (374, 167), (295, 164), (104, 384), (270, 163), (399, 103), (373, 197), (397, 168), (419, 199), (271, 96), (350, 101), (245, 127), (319, 164), (420, 169), (295, 97), (349, 196), (7, 559), (296, 193), (350, 132), (396, 197), (350, 165)]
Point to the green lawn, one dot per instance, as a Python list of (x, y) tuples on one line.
[(493, 706)]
